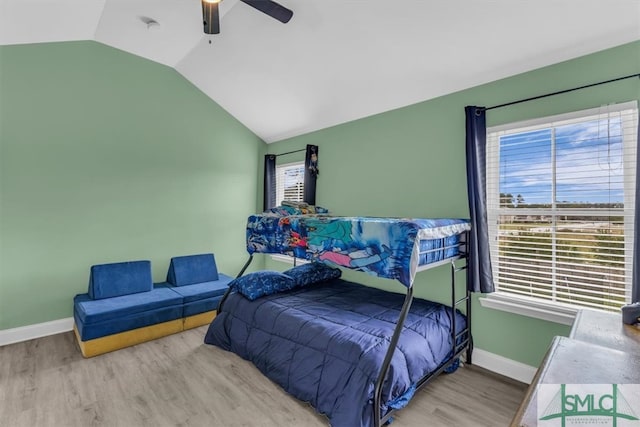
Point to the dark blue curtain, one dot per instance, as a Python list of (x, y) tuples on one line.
[(310, 174), (479, 274), (269, 200), (635, 285)]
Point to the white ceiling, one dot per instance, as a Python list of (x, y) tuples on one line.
[(336, 60)]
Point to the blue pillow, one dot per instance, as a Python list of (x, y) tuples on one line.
[(260, 283), (314, 272)]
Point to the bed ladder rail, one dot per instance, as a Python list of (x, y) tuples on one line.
[(458, 344)]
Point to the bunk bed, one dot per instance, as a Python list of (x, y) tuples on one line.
[(353, 352)]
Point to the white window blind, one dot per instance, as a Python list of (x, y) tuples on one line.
[(560, 198), (290, 182)]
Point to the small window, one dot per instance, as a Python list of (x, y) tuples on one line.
[(560, 198), (290, 182)]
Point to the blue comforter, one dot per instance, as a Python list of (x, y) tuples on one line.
[(325, 344)]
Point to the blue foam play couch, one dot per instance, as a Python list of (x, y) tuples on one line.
[(123, 306)]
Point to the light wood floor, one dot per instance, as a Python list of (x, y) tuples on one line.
[(180, 381)]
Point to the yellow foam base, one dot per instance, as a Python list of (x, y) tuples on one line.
[(199, 319), (124, 339)]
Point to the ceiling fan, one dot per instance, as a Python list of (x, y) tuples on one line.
[(211, 17)]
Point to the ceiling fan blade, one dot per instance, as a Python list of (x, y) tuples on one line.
[(210, 17), (272, 9)]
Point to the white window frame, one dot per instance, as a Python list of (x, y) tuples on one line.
[(534, 307)]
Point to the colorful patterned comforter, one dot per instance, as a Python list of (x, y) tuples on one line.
[(384, 247)]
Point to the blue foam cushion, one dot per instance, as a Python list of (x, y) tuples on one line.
[(190, 269), (93, 311), (121, 278), (89, 331), (314, 272), (200, 306), (260, 283), (200, 290)]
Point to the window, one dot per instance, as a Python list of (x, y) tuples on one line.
[(290, 182), (560, 197)]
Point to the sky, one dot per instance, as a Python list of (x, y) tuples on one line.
[(588, 158), (293, 176)]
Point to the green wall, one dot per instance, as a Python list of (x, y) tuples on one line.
[(411, 162), (107, 157)]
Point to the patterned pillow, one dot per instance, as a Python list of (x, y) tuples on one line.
[(314, 272), (260, 283)]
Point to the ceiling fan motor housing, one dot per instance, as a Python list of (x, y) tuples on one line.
[(211, 17)]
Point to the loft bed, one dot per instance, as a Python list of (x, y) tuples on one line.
[(355, 353)]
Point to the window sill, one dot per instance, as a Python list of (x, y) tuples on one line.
[(288, 259), (530, 307)]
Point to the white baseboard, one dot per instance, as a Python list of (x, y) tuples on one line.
[(39, 330), (503, 366)]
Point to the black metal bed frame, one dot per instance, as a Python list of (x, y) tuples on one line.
[(460, 342)]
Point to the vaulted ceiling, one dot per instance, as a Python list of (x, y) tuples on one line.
[(336, 60)]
